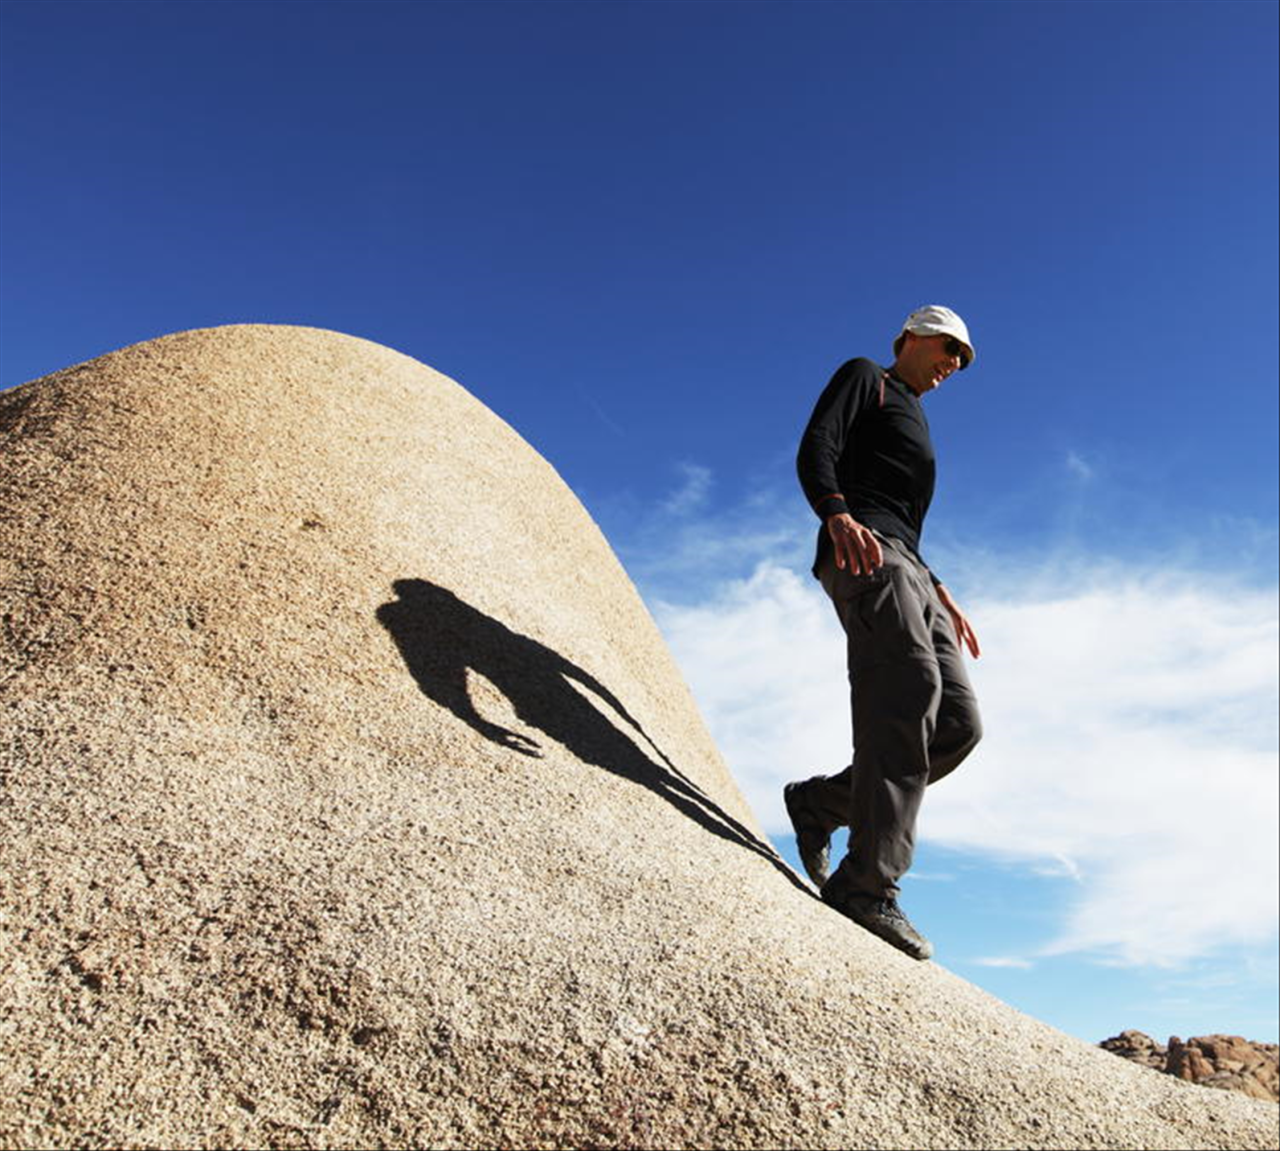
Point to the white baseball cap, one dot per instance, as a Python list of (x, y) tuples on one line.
[(935, 320)]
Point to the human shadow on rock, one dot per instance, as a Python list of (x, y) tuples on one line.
[(440, 636)]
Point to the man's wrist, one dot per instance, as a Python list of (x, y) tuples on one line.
[(831, 505)]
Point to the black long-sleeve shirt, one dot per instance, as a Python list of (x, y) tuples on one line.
[(867, 451)]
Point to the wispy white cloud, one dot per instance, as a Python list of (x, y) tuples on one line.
[(1057, 868), (690, 542), (1131, 735), (1079, 467), (691, 495), (1131, 725), (1010, 961)]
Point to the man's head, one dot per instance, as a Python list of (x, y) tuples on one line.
[(933, 343)]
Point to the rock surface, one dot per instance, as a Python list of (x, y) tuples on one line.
[(349, 797), (1225, 1061)]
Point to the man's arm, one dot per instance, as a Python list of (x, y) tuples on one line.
[(824, 441)]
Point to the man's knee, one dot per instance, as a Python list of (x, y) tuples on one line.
[(959, 722), (957, 734), (970, 733)]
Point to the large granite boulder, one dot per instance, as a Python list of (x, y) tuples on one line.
[(1226, 1061), (349, 797)]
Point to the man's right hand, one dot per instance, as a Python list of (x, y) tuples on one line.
[(856, 546)]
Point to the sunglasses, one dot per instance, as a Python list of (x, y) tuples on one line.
[(954, 347)]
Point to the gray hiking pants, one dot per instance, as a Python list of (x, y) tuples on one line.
[(915, 717)]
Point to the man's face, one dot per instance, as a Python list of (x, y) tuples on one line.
[(925, 361)]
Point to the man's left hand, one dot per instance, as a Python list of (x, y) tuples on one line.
[(964, 629)]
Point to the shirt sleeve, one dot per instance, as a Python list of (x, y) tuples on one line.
[(826, 437)]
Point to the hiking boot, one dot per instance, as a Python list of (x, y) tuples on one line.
[(812, 842), (883, 917)]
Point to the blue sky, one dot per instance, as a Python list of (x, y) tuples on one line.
[(646, 233)]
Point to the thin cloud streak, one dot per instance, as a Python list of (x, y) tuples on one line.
[(607, 420)]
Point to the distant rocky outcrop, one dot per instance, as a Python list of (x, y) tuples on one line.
[(349, 797), (1225, 1061)]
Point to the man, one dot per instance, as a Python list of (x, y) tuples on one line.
[(866, 464)]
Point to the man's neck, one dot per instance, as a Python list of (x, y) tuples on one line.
[(896, 373)]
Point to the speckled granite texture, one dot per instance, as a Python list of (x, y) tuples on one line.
[(349, 797)]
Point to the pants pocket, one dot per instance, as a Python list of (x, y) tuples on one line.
[(887, 623)]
